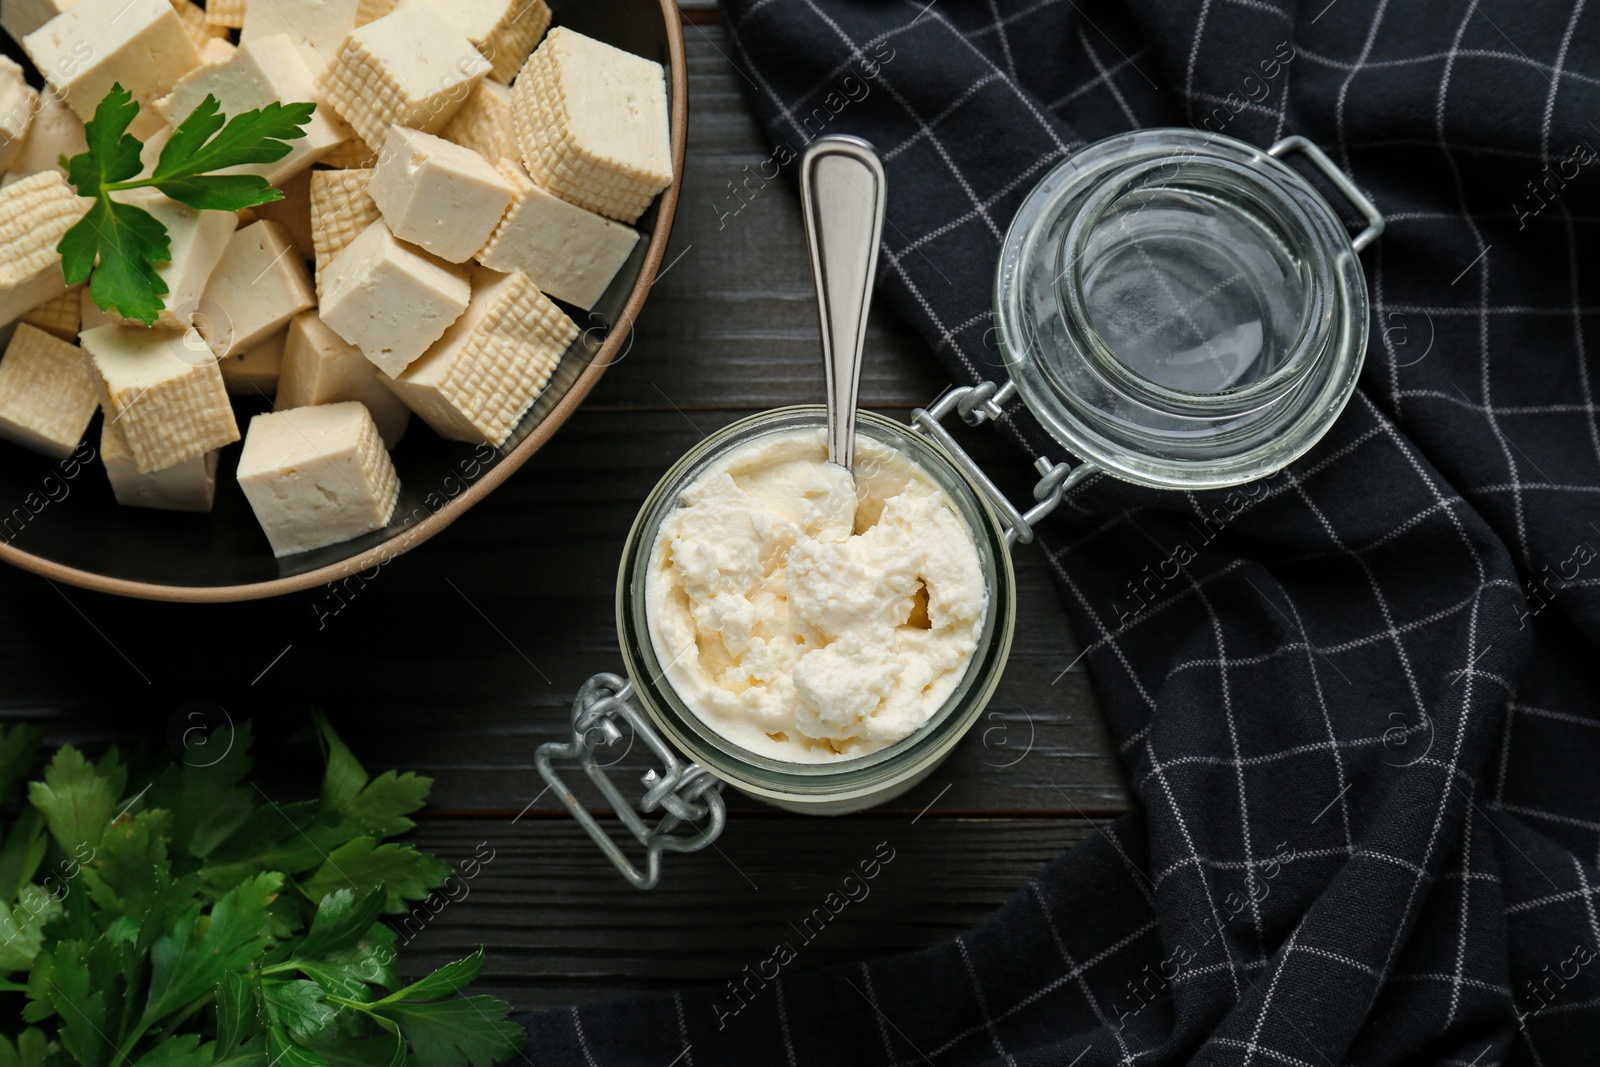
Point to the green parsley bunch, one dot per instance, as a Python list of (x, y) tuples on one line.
[(172, 916)]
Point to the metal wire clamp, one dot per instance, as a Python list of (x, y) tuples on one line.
[(685, 792), (976, 405)]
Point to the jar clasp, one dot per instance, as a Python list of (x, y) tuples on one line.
[(1341, 181), (981, 403), (686, 792)]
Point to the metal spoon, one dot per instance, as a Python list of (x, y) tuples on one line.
[(842, 198)]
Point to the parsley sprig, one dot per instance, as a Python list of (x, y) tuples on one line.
[(115, 245), (164, 916)]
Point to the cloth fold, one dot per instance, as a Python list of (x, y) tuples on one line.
[(1357, 701)]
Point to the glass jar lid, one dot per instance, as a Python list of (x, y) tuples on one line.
[(1182, 309)]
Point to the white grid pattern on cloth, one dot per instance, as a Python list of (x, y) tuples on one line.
[(983, 1005), (1389, 554), (1083, 985), (783, 1023)]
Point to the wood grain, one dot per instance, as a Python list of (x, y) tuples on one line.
[(460, 658), (560, 930)]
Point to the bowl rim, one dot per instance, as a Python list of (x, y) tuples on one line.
[(510, 462)]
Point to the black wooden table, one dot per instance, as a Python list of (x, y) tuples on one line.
[(460, 658)]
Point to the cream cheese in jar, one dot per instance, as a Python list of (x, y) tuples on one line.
[(807, 616)]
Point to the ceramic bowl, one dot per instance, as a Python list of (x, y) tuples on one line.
[(61, 521)]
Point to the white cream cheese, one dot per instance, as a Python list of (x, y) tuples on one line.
[(806, 619)]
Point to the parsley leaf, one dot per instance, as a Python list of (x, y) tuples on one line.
[(405, 873), (127, 242), (19, 751), (60, 979), (76, 801), (23, 929), (455, 1033), (282, 1050), (447, 981), (292, 838), (206, 800), (372, 962), (113, 153), (132, 876), (301, 1007), (27, 1051), (236, 1012), (183, 965), (342, 920), (116, 246), (380, 804), (202, 143), (22, 853), (184, 1050)]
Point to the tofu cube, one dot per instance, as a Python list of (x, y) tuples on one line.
[(255, 371), (317, 27), (56, 131), (373, 10), (570, 253), (216, 50), (163, 390), (592, 124), (59, 317), (438, 195), (482, 376), (89, 313), (293, 213), (257, 287), (34, 213), (411, 68), (341, 208), (226, 14), (155, 142), (317, 476), (484, 123), (198, 240), (352, 154), (18, 106), (391, 300), (96, 44), (201, 32), (320, 367), (47, 394), (187, 486), (264, 71), (21, 17), (505, 31)]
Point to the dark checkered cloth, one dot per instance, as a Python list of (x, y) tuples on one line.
[(1363, 723)]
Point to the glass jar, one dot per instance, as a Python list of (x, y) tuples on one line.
[(838, 786), (1178, 310), (1182, 309)]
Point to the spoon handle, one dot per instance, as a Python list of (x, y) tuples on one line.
[(842, 198)]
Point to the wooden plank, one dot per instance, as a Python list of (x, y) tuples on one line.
[(700, 12), (562, 926)]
